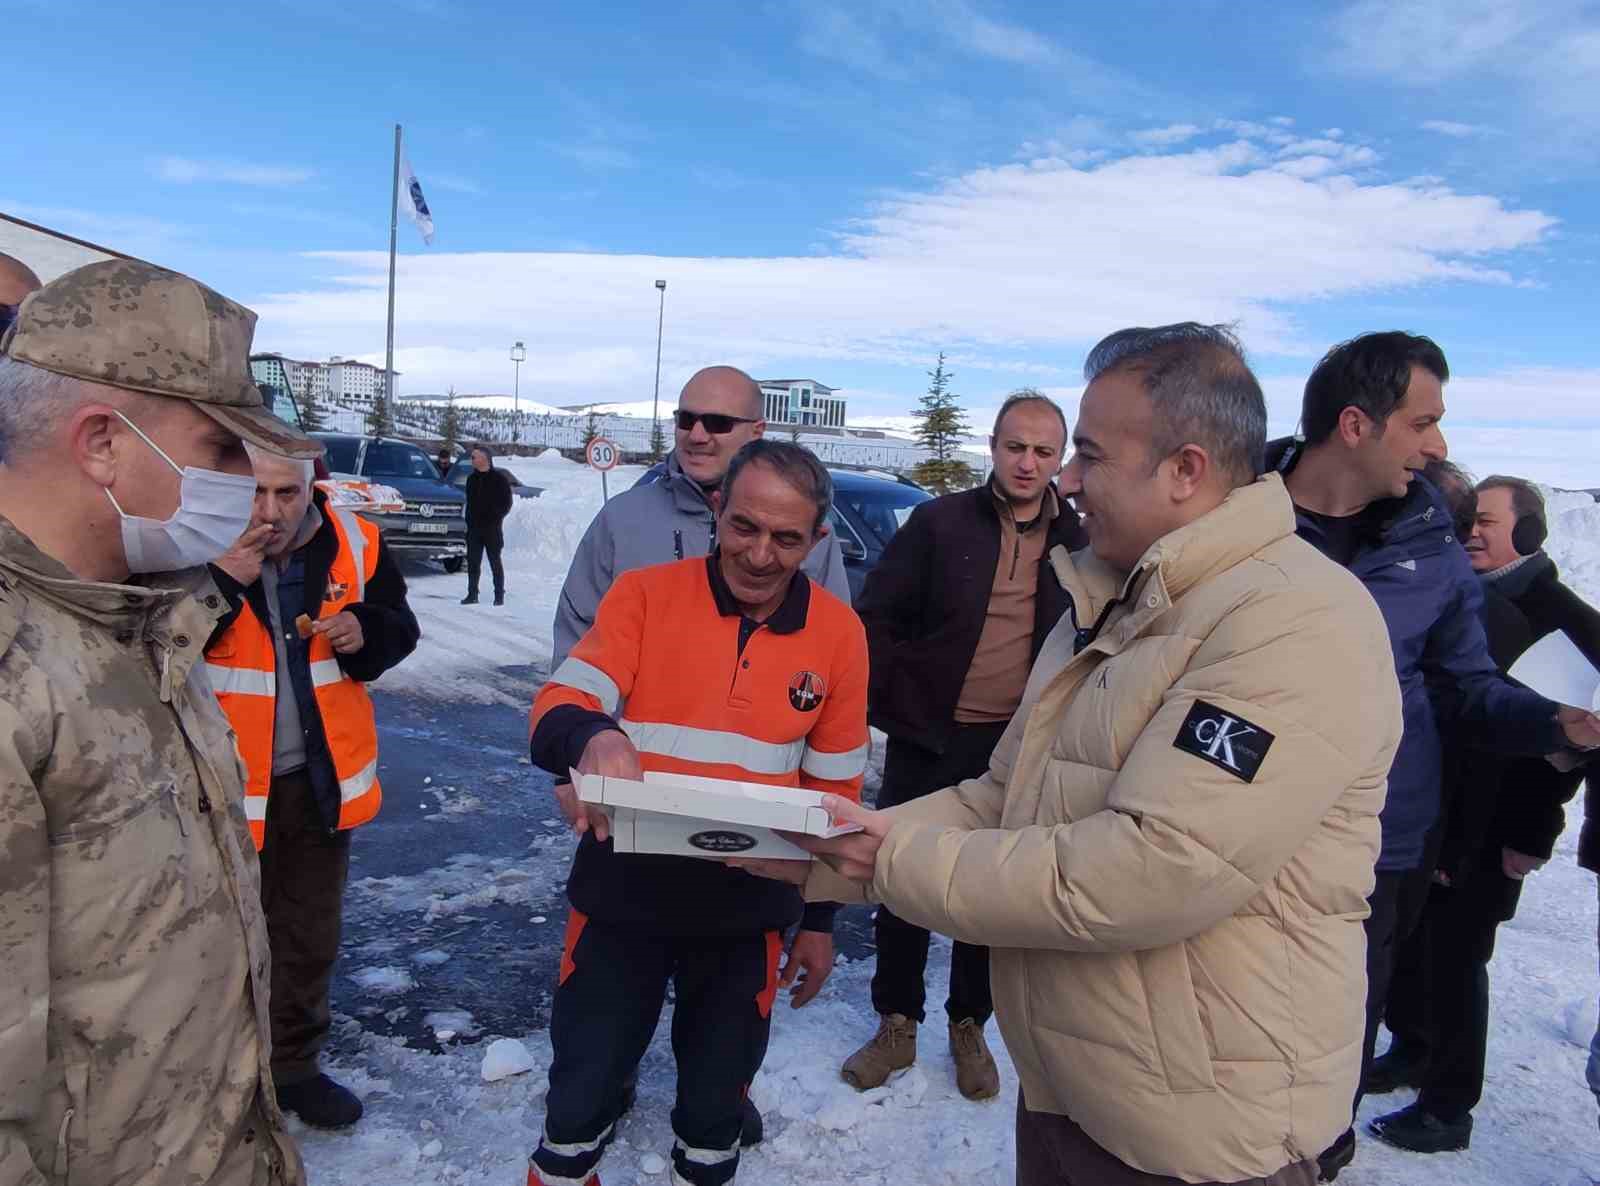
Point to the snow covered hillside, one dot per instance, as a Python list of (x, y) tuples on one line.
[(433, 1118)]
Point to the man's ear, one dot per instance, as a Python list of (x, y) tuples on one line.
[(758, 430), (716, 502), (1354, 426), (823, 532), (1191, 466), (92, 436)]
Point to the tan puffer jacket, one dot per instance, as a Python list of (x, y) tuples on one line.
[(1171, 853), (134, 1040)]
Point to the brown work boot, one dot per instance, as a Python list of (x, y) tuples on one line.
[(977, 1077), (893, 1048)]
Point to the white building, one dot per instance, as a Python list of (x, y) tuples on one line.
[(338, 379), (801, 403)]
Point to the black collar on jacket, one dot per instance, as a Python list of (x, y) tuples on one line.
[(1387, 521), (788, 618)]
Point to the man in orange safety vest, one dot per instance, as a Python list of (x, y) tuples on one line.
[(317, 610)]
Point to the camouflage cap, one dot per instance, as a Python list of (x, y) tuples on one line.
[(133, 325)]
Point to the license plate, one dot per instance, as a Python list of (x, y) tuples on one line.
[(429, 528)]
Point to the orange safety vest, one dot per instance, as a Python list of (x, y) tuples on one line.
[(242, 666)]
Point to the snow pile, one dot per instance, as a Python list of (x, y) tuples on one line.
[(1574, 542), (504, 1058)]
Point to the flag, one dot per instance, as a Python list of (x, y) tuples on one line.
[(412, 201)]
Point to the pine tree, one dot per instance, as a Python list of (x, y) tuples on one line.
[(379, 422), (658, 442), (941, 425), (450, 422), (591, 428)]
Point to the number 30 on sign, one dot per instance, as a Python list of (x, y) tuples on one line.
[(602, 454)]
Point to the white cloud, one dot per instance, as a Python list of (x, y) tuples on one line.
[(1169, 135), (596, 155), (187, 171), (1449, 127), (1547, 51), (997, 266)]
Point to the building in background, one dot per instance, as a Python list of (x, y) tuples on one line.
[(340, 380), (801, 403)]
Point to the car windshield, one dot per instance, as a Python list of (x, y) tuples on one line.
[(393, 459), (341, 455), (884, 509), (458, 473)]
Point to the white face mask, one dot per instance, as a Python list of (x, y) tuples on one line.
[(213, 511)]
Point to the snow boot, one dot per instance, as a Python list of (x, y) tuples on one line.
[(1336, 1156), (893, 1048), (320, 1102), (977, 1077), (1392, 1071), (470, 599), (535, 1180), (1419, 1131), (499, 598)]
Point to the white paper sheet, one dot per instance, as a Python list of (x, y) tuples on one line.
[(1557, 670)]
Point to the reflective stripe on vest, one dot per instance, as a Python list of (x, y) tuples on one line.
[(839, 767), (586, 677), (715, 747), (242, 666)]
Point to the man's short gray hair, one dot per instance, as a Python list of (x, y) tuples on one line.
[(33, 402), (1201, 390), (308, 469), (794, 464)]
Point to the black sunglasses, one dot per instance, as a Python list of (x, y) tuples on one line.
[(716, 423)]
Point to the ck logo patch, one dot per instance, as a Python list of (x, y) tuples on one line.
[(806, 691), (1224, 739)]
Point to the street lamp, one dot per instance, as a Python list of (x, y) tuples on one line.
[(518, 353), (655, 402)]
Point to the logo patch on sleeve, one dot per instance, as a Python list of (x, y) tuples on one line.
[(1224, 739)]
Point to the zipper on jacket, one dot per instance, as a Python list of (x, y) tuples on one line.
[(205, 802), (61, 1144), (177, 807), (677, 544)]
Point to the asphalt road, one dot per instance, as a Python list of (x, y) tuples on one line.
[(456, 903)]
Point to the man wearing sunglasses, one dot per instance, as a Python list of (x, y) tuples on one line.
[(17, 280), (719, 412)]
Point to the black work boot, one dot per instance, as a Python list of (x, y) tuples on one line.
[(1419, 1131), (500, 598), (320, 1102), (1336, 1156), (470, 599), (1393, 1070)]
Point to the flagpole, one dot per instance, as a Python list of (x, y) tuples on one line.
[(394, 220)]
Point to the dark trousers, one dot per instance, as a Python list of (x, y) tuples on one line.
[(608, 1000), (1439, 1001), (479, 541), (303, 872), (1053, 1151), (910, 772), (1396, 906)]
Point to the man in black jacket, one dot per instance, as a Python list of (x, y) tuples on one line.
[(317, 609), (489, 500), (1505, 815), (955, 614)]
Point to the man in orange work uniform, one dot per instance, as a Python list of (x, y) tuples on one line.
[(736, 666)]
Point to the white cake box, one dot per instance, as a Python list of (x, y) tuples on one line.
[(712, 818)]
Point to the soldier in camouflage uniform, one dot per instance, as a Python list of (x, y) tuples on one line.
[(134, 1035)]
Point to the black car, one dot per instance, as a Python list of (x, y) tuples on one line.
[(459, 472), (867, 511), (433, 525)]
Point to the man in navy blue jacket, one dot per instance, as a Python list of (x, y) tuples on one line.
[(1370, 419)]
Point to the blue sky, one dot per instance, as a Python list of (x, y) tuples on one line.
[(842, 189)]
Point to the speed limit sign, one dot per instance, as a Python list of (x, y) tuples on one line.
[(602, 454)]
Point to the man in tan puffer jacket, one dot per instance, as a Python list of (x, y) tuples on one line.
[(1171, 851)]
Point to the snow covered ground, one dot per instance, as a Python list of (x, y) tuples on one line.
[(433, 1117)]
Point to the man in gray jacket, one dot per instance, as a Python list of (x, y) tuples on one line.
[(719, 412)]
